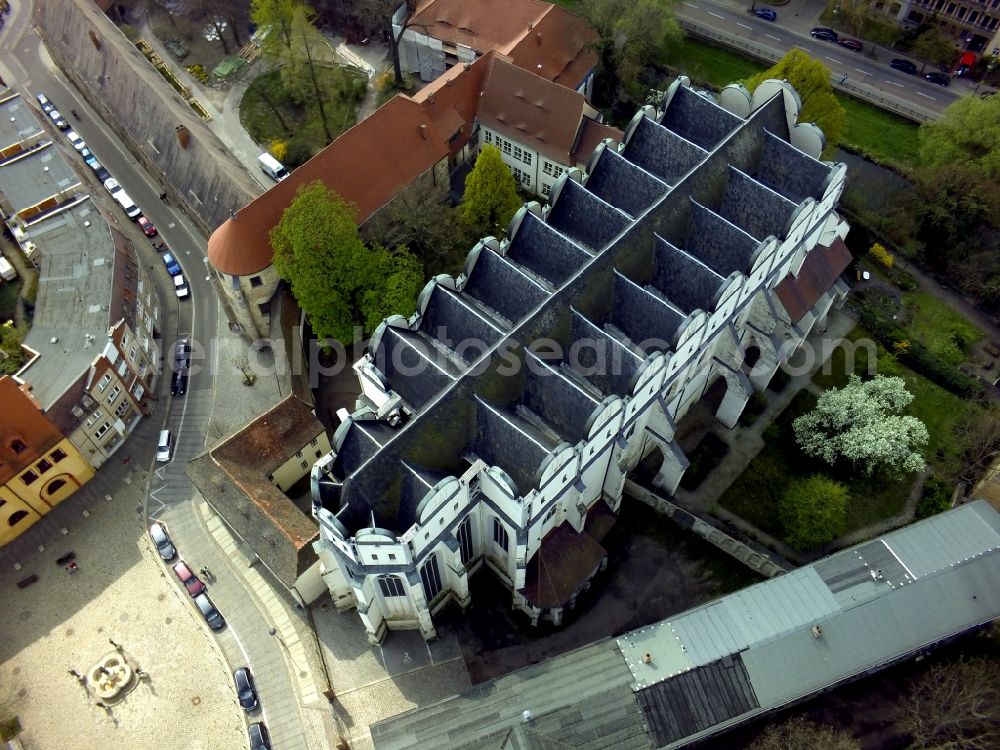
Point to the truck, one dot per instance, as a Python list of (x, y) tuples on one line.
[(272, 167)]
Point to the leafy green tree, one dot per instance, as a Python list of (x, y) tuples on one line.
[(862, 423), (811, 79), (813, 511), (396, 278), (318, 251), (798, 732), (490, 199), (934, 47), (633, 34), (277, 17), (967, 132), (427, 225)]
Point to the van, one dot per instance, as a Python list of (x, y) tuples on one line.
[(7, 272), (165, 447), (131, 210), (272, 167)]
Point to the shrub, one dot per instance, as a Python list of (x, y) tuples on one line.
[(934, 498), (813, 511), (297, 153), (880, 255)]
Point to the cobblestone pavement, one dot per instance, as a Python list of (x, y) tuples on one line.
[(121, 592)]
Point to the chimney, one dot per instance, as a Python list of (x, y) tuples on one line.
[(647, 658), (423, 131), (538, 36), (531, 25)]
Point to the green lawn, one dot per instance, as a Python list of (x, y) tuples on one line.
[(709, 65), (879, 134), (938, 327)]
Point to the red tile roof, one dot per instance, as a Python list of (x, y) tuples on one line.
[(591, 135), (820, 269), (558, 48), (541, 115), (367, 166), (23, 421)]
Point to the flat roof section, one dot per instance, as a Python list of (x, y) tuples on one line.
[(17, 121), (29, 181)]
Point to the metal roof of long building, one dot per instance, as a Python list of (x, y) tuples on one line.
[(754, 651)]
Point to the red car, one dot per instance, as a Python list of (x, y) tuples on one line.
[(147, 226), (191, 582), (852, 44)]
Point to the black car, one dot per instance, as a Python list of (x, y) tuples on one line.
[(208, 610), (182, 356), (941, 79), (259, 738), (245, 689), (821, 32), (766, 13), (179, 384), (904, 65)]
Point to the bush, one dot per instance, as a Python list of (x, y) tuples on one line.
[(813, 511), (297, 153), (881, 256), (935, 498)]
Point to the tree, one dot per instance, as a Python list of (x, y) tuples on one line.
[(632, 35), (427, 225), (934, 47), (966, 133), (798, 732), (979, 433), (861, 423), (490, 199), (337, 281), (955, 706), (811, 79), (318, 251), (813, 511)]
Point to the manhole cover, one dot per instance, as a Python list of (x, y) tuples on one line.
[(168, 620), (196, 701), (161, 596), (70, 632), (22, 692), (123, 617), (24, 616)]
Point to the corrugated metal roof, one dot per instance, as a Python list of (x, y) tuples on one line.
[(927, 547)]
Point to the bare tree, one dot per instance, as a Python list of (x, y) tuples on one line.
[(980, 433), (799, 732), (242, 362), (955, 706)]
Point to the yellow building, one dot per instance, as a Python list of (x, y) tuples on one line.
[(39, 466)]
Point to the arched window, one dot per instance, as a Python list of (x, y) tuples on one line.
[(16, 516), (431, 578), (55, 485), (465, 539), (391, 586), (500, 534)]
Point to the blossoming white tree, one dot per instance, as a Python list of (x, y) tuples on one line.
[(862, 423)]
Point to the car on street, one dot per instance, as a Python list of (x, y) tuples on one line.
[(146, 226), (158, 533), (99, 169), (936, 76), (766, 13), (73, 137), (246, 691), (259, 738), (824, 34), (128, 205), (191, 582), (852, 44), (47, 106), (178, 384), (58, 119), (165, 446), (173, 267), (112, 186), (903, 65), (182, 355), (181, 287), (212, 615)]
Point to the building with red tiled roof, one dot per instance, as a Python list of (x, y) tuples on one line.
[(546, 39), (413, 143)]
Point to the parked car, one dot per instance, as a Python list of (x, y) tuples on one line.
[(212, 616), (99, 169), (245, 689), (259, 738), (90, 161), (158, 533), (173, 267), (178, 384), (146, 226), (58, 119), (112, 186), (904, 65), (164, 446), (180, 286), (128, 205), (766, 13), (182, 355), (73, 137), (824, 34), (852, 44), (47, 106), (191, 582), (936, 76)]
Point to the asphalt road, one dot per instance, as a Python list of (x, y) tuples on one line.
[(26, 65), (868, 70)]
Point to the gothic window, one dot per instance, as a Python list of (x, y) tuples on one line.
[(465, 539), (431, 578), (500, 534), (391, 586)]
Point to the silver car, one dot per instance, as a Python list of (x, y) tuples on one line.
[(158, 533)]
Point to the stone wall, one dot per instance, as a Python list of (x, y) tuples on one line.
[(204, 179)]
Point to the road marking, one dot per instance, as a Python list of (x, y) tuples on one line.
[(804, 49), (742, 24), (771, 36), (926, 96), (831, 58), (715, 14), (691, 5), (896, 84), (865, 72), (171, 225)]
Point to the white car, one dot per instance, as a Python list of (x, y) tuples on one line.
[(165, 446), (180, 286), (112, 186), (76, 140)]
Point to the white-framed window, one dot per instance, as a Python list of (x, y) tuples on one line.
[(546, 189), (137, 391), (557, 170), (104, 381), (140, 286), (102, 430), (507, 145), (132, 352), (126, 337), (518, 174), (122, 408), (94, 417), (121, 367), (115, 393), (391, 586), (527, 158), (500, 537), (518, 153), (487, 136), (547, 167)]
